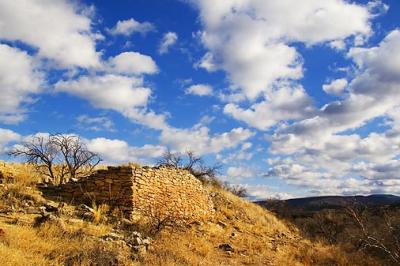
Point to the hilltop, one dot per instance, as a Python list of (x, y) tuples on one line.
[(239, 233), (332, 202)]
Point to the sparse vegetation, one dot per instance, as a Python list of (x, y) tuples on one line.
[(237, 190), (190, 162), (100, 213), (240, 233), (58, 157), (208, 174), (378, 230), (355, 227)]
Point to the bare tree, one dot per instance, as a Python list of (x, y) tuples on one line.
[(57, 156), (41, 152), (386, 240), (77, 158), (237, 190), (190, 162)]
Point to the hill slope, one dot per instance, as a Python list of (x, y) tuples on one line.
[(333, 202), (241, 233)]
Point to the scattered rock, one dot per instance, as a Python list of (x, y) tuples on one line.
[(146, 242), (136, 234), (51, 207), (49, 218), (112, 237), (137, 241), (138, 244), (85, 208), (6, 210), (85, 212), (87, 216), (226, 247), (33, 210)]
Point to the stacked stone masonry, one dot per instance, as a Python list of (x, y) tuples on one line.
[(162, 193)]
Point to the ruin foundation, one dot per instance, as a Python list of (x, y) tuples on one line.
[(155, 192)]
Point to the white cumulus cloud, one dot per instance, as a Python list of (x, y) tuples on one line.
[(200, 90), (7, 136), (168, 40), (281, 105), (60, 30), (200, 141), (250, 40), (131, 26), (325, 155), (95, 123), (19, 80), (132, 63), (336, 87), (109, 91), (119, 151)]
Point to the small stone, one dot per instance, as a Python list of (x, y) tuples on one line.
[(137, 241), (226, 247), (146, 242), (136, 234), (49, 218), (222, 224), (86, 208), (33, 210), (50, 207), (87, 216), (112, 237)]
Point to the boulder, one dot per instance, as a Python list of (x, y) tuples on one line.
[(49, 218)]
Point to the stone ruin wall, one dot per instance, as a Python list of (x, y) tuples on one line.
[(161, 193), (169, 193)]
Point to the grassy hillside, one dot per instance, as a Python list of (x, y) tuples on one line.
[(371, 223), (241, 233)]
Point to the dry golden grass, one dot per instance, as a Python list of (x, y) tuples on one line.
[(99, 214), (21, 243), (48, 245), (21, 173), (256, 235)]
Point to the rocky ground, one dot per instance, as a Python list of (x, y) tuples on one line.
[(37, 231)]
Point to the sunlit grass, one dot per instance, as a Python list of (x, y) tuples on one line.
[(256, 235)]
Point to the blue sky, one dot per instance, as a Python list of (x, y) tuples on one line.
[(294, 99)]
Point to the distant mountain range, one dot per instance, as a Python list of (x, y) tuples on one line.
[(324, 202)]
